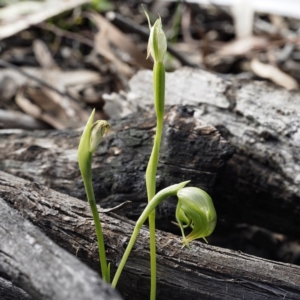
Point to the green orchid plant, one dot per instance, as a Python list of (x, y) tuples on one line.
[(157, 47), (194, 209), (90, 139)]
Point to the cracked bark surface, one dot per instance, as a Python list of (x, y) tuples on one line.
[(261, 182), (203, 272), (36, 264), (191, 150), (9, 291)]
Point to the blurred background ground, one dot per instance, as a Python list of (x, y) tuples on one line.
[(59, 59)]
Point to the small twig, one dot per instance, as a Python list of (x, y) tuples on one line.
[(6, 64), (67, 34), (131, 26)]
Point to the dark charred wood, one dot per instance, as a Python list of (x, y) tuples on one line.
[(260, 184), (45, 271), (9, 291), (191, 150), (203, 272)]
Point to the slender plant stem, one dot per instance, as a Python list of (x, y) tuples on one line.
[(159, 95), (126, 254), (158, 198), (91, 198)]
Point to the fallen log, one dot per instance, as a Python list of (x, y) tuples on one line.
[(190, 150), (45, 271), (203, 272), (260, 184)]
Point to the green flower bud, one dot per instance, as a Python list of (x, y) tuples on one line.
[(89, 141), (99, 128), (157, 44), (195, 209)]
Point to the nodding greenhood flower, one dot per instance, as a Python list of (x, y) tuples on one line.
[(157, 44), (195, 209)]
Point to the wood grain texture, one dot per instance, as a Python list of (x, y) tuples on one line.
[(203, 272), (190, 150), (261, 182), (9, 291), (45, 271)]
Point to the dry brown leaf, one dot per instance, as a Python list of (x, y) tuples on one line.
[(123, 42), (33, 110), (15, 119), (45, 11), (82, 76), (73, 111), (87, 94), (242, 46), (14, 11), (43, 55), (44, 103), (108, 34), (274, 74), (103, 48), (68, 78)]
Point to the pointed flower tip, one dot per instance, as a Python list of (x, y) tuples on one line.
[(157, 44), (147, 16), (84, 144), (181, 185)]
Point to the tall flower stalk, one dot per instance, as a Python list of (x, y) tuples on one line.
[(195, 208), (89, 141), (158, 198), (157, 47)]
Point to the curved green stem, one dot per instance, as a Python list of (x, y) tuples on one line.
[(159, 101), (87, 179), (158, 198)]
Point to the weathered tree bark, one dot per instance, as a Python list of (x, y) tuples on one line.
[(261, 182), (203, 272), (191, 150), (8, 291), (36, 264)]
